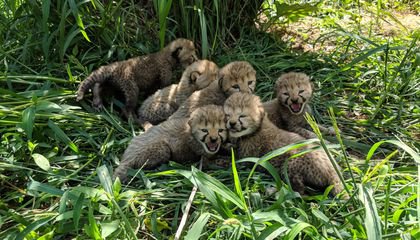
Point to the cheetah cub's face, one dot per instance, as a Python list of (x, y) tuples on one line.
[(202, 73), (184, 50), (208, 127), (294, 90), (244, 113), (237, 76)]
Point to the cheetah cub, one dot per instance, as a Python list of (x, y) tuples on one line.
[(255, 135), (288, 110), (140, 74), (158, 107), (237, 76), (182, 140)]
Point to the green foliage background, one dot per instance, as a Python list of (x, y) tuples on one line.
[(56, 154)]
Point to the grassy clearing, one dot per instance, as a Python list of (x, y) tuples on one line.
[(56, 154)]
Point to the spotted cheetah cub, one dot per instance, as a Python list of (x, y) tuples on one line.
[(255, 135), (288, 110), (182, 140), (158, 107), (234, 77), (140, 74)]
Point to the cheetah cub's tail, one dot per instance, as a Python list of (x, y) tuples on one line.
[(98, 76)]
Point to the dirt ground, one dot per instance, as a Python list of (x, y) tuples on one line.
[(311, 33)]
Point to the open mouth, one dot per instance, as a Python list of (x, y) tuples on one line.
[(295, 107), (212, 147), (237, 133), (237, 130)]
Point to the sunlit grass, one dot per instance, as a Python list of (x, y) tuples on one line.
[(57, 155)]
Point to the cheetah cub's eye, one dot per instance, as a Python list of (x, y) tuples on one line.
[(236, 86), (286, 93), (250, 82), (301, 91), (242, 116), (204, 130), (221, 130)]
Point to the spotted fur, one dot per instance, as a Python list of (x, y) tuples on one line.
[(288, 110), (255, 135), (140, 74), (164, 102), (237, 76), (183, 140)]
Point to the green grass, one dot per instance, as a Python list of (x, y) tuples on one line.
[(56, 155)]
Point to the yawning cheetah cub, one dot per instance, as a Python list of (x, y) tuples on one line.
[(255, 135), (140, 74), (182, 140), (163, 103), (287, 111)]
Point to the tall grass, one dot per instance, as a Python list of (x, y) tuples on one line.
[(57, 155)]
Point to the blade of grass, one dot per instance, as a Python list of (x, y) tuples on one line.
[(197, 228), (372, 220), (187, 208), (77, 211), (33, 226), (62, 136)]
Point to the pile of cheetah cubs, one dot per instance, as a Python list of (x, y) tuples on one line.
[(209, 111)]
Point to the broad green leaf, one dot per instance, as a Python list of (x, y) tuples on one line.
[(33, 226), (41, 161), (92, 229), (413, 154), (365, 56), (79, 20), (215, 185), (236, 181), (105, 179), (203, 29), (372, 221), (197, 228), (47, 106), (107, 228), (77, 210), (320, 215), (90, 192), (62, 136), (272, 232), (62, 210), (298, 228), (28, 121), (42, 187), (219, 205), (47, 236), (116, 187), (268, 166), (68, 40)]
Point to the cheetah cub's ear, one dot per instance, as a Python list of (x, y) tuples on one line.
[(202, 73), (238, 76), (194, 76), (184, 51)]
